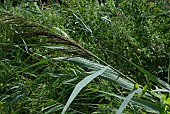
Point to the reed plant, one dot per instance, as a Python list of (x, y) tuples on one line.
[(85, 58)]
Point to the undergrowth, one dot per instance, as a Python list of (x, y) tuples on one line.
[(83, 57)]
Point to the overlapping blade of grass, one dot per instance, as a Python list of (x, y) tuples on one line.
[(80, 86), (125, 102), (52, 108), (148, 105), (157, 80), (111, 76), (35, 64), (86, 27)]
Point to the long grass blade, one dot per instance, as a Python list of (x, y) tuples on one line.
[(80, 86), (148, 105), (152, 77), (109, 74), (87, 28), (125, 102)]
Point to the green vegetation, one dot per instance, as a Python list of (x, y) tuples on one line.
[(85, 58)]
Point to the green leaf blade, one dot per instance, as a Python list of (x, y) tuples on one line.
[(80, 85)]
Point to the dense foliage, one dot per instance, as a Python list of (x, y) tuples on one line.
[(85, 57)]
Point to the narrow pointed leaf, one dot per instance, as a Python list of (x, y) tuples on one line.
[(125, 102), (80, 86), (153, 78), (148, 105)]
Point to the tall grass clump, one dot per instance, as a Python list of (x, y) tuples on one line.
[(84, 57)]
